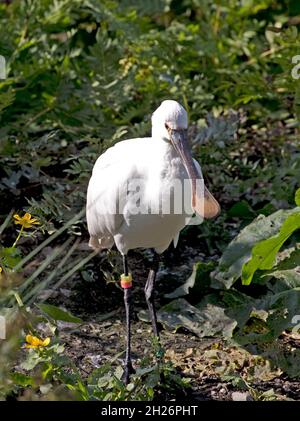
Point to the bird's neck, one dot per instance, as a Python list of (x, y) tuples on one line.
[(159, 132), (163, 148), (163, 156)]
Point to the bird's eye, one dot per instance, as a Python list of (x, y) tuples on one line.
[(167, 126)]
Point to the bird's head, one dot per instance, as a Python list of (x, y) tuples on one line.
[(169, 115), (170, 123)]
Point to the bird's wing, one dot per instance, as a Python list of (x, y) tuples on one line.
[(107, 189), (206, 205)]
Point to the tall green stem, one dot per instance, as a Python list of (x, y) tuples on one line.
[(18, 237)]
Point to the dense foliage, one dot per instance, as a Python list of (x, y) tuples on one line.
[(84, 74)]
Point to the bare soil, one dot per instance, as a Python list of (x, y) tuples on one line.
[(102, 336)]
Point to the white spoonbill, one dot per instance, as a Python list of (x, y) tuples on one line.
[(142, 193)]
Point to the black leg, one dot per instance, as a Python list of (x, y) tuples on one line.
[(125, 265), (149, 293), (128, 307)]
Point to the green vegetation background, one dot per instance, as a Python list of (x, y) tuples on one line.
[(82, 75)]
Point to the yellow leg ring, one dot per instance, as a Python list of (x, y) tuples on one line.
[(126, 281)]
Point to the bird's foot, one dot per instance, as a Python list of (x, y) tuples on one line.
[(128, 370)]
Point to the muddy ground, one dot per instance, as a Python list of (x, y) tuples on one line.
[(99, 302)]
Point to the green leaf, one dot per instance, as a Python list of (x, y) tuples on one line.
[(57, 313), (197, 283), (22, 379), (239, 250), (6, 99), (32, 360), (10, 256), (241, 209), (264, 252), (205, 320), (286, 273), (297, 197), (283, 307)]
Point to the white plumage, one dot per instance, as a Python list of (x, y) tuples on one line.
[(141, 194), (153, 163)]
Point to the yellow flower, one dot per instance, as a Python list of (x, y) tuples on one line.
[(34, 342), (1, 269), (26, 221)]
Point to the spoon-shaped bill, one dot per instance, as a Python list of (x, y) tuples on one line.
[(203, 201)]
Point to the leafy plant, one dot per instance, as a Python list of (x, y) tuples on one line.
[(83, 75)]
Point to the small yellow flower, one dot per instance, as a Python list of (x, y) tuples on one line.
[(26, 221), (34, 342), (1, 269)]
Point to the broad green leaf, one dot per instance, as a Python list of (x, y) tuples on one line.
[(205, 320), (239, 250), (277, 311), (57, 313), (264, 252), (283, 307), (286, 273), (290, 277), (197, 283)]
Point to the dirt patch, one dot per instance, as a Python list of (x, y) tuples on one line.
[(208, 362)]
